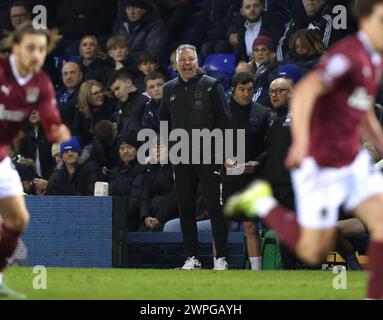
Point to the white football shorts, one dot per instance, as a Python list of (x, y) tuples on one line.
[(320, 191), (10, 183)]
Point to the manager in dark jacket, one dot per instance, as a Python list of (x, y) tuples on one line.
[(195, 101)]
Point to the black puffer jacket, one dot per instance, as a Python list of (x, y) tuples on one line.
[(100, 70), (131, 112), (149, 34), (278, 141), (81, 183), (128, 180), (30, 143), (159, 195)]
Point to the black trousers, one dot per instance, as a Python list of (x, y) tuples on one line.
[(187, 178), (289, 259)]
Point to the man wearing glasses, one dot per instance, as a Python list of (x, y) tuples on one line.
[(278, 141), (19, 12)]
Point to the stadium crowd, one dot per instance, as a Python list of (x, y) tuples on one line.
[(109, 68)]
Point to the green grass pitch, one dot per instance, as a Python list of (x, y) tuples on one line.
[(145, 284)]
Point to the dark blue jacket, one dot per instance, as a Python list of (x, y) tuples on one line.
[(149, 34)]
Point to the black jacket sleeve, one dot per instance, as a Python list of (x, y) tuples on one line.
[(221, 107), (145, 199), (134, 202)]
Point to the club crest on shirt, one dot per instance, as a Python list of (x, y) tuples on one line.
[(198, 95), (5, 90), (360, 99), (367, 73), (32, 94), (287, 122)]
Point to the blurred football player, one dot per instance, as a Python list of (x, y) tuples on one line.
[(331, 108), (23, 88)]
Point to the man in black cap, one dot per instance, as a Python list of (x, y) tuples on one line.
[(142, 29)]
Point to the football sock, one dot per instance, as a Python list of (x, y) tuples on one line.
[(8, 243), (263, 206), (375, 270), (255, 263), (284, 223), (353, 263)]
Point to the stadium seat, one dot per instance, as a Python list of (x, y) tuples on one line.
[(172, 73), (220, 66)]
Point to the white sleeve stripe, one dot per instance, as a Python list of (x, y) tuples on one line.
[(281, 41), (327, 81), (336, 66), (328, 29)]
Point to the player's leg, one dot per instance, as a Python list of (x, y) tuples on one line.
[(314, 244), (253, 242), (351, 227), (365, 199), (257, 201), (370, 213), (319, 192), (15, 219)]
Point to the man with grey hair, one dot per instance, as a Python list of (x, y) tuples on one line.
[(196, 101)]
